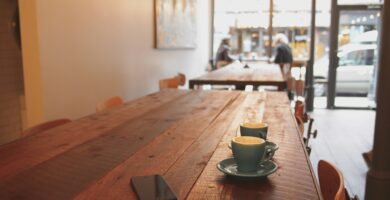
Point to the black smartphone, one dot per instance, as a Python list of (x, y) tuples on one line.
[(152, 187)]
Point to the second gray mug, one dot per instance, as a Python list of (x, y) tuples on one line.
[(255, 129)]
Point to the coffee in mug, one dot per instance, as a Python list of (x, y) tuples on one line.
[(255, 129)]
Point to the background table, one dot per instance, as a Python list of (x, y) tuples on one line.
[(258, 74), (181, 135)]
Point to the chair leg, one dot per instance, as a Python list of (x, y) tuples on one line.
[(310, 133), (308, 149)]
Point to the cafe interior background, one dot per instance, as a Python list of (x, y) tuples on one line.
[(59, 58)]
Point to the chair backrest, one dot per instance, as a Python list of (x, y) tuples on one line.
[(331, 181), (109, 103), (179, 79), (182, 78), (301, 125), (299, 109), (300, 87), (45, 126)]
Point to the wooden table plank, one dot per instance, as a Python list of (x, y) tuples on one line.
[(234, 74)]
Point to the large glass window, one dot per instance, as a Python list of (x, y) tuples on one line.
[(247, 24), (357, 50)]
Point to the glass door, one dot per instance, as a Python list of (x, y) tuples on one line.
[(355, 58)]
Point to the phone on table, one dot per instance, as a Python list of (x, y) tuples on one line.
[(152, 187)]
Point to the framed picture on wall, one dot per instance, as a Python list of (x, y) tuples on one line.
[(175, 24)]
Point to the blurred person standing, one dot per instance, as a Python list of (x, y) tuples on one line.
[(283, 55)]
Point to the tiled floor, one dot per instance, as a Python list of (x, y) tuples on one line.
[(343, 135)]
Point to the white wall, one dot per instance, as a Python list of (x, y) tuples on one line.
[(93, 49)]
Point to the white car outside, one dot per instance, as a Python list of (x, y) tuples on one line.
[(354, 72)]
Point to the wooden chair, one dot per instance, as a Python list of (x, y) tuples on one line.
[(300, 87), (174, 82), (301, 125), (109, 103), (45, 126), (299, 110), (302, 117), (331, 181)]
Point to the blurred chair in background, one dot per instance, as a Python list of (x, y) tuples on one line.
[(174, 82), (300, 88), (109, 103), (302, 117)]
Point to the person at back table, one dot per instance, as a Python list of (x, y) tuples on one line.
[(283, 55), (223, 54)]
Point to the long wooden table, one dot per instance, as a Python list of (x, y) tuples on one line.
[(181, 135), (258, 74)]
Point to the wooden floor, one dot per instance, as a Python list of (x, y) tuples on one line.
[(343, 135)]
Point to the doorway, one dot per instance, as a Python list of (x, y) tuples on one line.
[(353, 58), (11, 72)]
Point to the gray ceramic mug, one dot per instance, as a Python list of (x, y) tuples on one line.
[(255, 129), (249, 152)]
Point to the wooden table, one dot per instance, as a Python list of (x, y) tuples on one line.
[(181, 135), (258, 74)]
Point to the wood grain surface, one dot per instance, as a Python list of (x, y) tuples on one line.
[(258, 74), (181, 135)]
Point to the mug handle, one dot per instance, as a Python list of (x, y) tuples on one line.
[(269, 153)]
